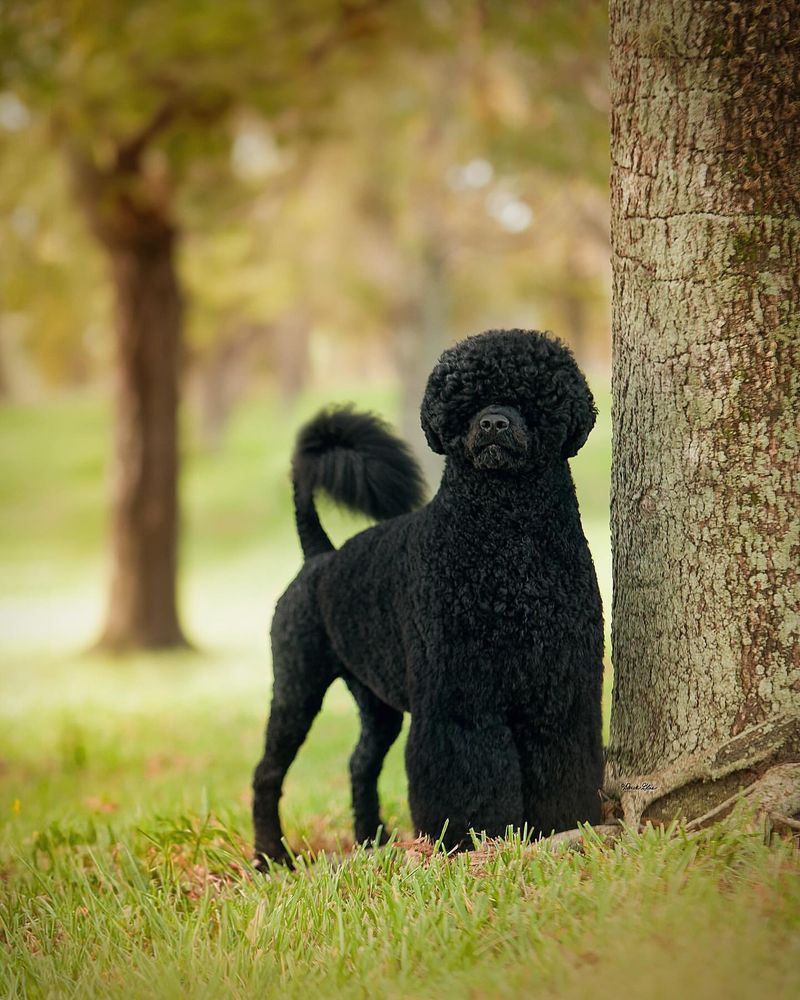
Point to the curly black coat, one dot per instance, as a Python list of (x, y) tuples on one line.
[(478, 613)]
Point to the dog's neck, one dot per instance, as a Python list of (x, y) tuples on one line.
[(524, 498)]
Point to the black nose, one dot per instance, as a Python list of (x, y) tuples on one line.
[(494, 423)]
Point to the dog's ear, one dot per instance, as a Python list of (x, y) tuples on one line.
[(432, 411), (429, 418), (434, 441), (580, 411)]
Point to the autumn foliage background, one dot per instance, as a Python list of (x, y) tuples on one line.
[(212, 210)]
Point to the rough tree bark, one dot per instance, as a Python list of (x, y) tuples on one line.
[(128, 208), (706, 389)]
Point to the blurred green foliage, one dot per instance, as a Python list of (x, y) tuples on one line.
[(333, 168), (237, 515)]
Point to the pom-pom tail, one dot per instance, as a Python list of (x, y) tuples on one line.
[(359, 463)]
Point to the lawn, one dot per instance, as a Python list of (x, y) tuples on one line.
[(124, 798)]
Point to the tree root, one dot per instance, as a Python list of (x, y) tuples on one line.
[(774, 795), (421, 850), (776, 792), (576, 838), (787, 821)]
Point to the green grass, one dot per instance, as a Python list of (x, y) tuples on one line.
[(164, 906), (124, 786)]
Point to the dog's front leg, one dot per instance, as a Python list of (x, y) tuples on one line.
[(463, 774)]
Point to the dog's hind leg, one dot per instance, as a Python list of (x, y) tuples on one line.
[(380, 727), (300, 683)]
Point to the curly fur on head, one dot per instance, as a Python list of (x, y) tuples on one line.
[(525, 369)]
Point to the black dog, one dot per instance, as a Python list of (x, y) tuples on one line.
[(479, 613)]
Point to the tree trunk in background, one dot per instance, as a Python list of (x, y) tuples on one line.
[(142, 605), (706, 380), (5, 389), (421, 336), (573, 311), (130, 216), (291, 351)]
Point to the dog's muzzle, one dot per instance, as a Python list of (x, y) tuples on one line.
[(497, 439)]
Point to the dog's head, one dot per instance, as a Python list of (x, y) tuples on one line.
[(506, 401)]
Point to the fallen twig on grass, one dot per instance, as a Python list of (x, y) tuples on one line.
[(422, 849), (575, 838)]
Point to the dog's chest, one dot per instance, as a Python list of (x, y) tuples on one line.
[(508, 590)]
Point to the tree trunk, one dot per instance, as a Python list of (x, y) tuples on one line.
[(5, 387), (706, 380), (421, 335), (142, 604), (289, 351), (129, 213), (221, 375)]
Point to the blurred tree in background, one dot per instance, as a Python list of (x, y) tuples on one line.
[(135, 94), (353, 185)]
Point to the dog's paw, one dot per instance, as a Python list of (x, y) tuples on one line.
[(265, 860), (379, 837)]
